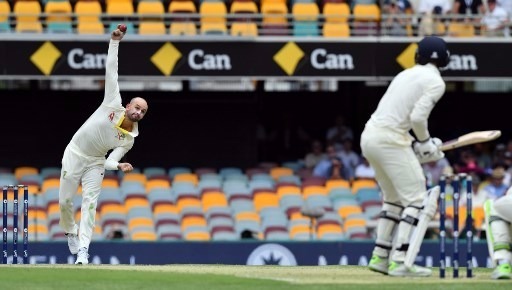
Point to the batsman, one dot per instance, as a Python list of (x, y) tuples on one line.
[(396, 157), (498, 220)]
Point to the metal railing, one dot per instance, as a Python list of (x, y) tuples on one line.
[(396, 25)]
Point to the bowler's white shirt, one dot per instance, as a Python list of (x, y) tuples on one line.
[(408, 101), (102, 131)]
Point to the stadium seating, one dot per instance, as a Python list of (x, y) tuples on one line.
[(5, 9), (213, 17), (151, 17), (88, 17), (27, 16), (58, 19)]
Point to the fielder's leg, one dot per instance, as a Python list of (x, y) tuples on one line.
[(498, 233), (388, 219)]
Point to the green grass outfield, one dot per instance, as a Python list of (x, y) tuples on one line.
[(212, 277)]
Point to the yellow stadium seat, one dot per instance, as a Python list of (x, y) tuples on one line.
[(58, 11), (274, 21), (288, 190), (188, 202), (366, 12), (165, 208), (299, 229), (305, 11), (191, 221), (182, 6), (151, 17), (197, 236), (143, 236), (336, 12), (363, 183), (327, 229), (135, 222), (27, 16), (461, 29), (133, 176), (314, 190), (21, 171), (346, 210), (274, 13), (186, 177), (243, 25), (365, 19), (5, 9), (213, 199), (296, 216), (157, 183), (336, 183), (183, 28), (354, 222), (277, 172), (113, 208), (273, 1), (265, 199), (243, 7), (88, 17), (109, 183), (244, 29), (247, 215), (213, 17), (50, 183), (132, 202)]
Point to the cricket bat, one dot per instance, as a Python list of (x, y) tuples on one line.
[(471, 138)]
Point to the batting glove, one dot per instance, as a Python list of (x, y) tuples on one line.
[(428, 151)]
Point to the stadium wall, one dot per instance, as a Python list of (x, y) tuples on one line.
[(242, 253)]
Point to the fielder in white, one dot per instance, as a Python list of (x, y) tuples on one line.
[(498, 219), (111, 126), (386, 144)]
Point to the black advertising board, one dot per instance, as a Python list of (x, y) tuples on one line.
[(344, 60)]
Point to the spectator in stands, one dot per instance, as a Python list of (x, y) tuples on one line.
[(434, 169), (495, 21), (396, 20), (494, 189), (111, 128), (467, 163), (331, 167), (315, 155), (364, 170), (349, 157), (432, 23), (428, 6), (339, 132), (468, 8), (507, 5)]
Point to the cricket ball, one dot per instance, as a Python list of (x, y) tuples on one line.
[(122, 27)]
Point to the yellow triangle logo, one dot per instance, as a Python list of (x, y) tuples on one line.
[(166, 58), (45, 57), (288, 57), (406, 58)]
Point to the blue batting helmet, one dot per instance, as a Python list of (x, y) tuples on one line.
[(433, 49)]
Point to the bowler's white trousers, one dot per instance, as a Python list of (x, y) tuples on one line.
[(79, 169)]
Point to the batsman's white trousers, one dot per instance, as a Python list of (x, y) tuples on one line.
[(76, 170), (503, 206), (397, 170)]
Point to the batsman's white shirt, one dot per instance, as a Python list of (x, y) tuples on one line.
[(84, 160), (386, 141)]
